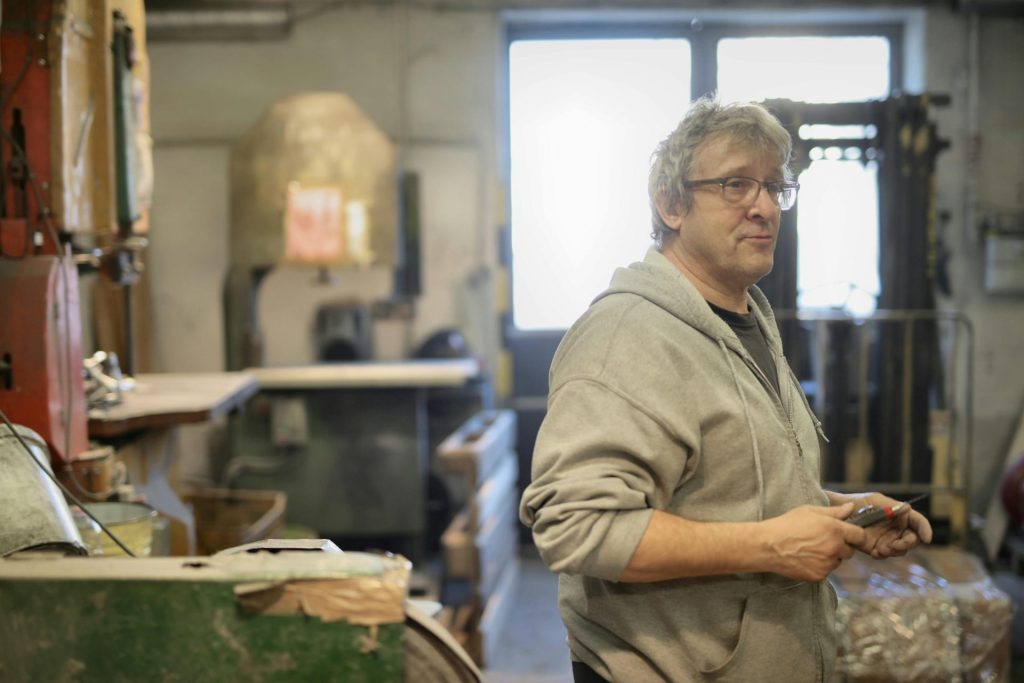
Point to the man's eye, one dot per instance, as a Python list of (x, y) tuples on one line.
[(737, 183)]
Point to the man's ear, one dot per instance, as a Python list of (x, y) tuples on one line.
[(672, 216)]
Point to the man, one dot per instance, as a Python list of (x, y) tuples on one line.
[(676, 475)]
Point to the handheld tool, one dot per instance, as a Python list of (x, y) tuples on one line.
[(872, 514)]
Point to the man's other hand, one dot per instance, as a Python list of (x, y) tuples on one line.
[(896, 536)]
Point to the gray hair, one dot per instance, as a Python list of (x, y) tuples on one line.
[(673, 160)]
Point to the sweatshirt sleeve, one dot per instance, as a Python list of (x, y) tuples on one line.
[(601, 465)]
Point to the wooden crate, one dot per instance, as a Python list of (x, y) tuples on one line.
[(481, 544), (226, 518)]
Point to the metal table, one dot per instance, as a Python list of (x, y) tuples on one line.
[(348, 443)]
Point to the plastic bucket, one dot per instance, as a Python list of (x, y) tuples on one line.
[(130, 522)]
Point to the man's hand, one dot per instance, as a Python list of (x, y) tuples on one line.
[(896, 536), (809, 542)]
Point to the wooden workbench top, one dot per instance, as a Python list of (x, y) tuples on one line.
[(412, 373), (164, 400)]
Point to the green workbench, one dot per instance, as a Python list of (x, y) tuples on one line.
[(286, 617)]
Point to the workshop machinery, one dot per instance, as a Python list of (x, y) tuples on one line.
[(893, 388), (316, 184), (74, 189)]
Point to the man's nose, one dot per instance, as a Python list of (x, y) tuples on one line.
[(763, 205)]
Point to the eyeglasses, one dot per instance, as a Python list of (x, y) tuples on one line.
[(744, 191)]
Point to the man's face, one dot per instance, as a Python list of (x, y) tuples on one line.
[(727, 247)]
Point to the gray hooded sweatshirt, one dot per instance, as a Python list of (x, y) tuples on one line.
[(655, 404)]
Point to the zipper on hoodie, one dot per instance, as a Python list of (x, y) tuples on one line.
[(818, 619), (814, 418), (765, 381), (778, 399), (791, 429)]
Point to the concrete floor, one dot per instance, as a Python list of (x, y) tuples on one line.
[(533, 648)]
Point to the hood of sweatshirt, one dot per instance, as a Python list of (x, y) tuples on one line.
[(657, 280)]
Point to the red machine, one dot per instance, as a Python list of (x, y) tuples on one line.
[(40, 346), (62, 140), (41, 366)]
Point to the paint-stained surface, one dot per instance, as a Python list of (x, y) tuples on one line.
[(167, 620)]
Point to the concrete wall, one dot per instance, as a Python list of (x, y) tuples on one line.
[(980, 63), (427, 79), (431, 81)]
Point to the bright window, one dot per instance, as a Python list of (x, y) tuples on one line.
[(837, 221), (585, 116), (804, 68)]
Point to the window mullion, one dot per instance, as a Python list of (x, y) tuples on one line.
[(704, 63)]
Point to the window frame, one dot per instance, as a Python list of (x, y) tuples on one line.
[(703, 36)]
